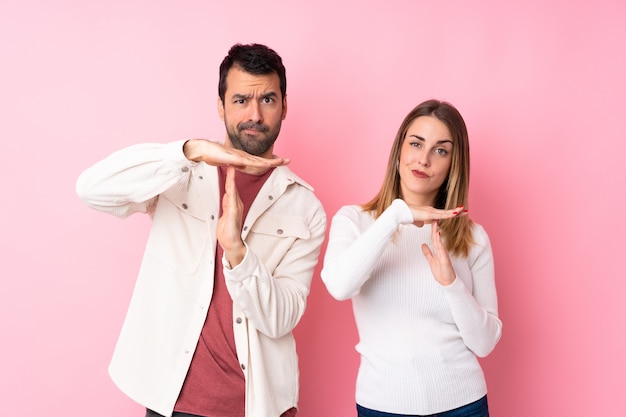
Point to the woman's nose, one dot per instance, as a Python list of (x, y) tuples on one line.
[(424, 159)]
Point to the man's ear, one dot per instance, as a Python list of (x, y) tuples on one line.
[(220, 108), (284, 107)]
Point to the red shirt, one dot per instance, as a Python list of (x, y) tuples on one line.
[(215, 384)]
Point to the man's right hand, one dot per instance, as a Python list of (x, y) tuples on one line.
[(216, 154)]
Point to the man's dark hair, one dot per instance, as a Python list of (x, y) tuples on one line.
[(253, 59)]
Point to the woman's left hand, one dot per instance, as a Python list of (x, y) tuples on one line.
[(438, 258)]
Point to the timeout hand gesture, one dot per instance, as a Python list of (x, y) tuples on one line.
[(216, 154), (422, 214), (229, 224), (438, 258)]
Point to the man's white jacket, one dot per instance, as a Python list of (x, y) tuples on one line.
[(283, 232)]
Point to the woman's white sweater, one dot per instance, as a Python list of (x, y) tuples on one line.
[(418, 340)]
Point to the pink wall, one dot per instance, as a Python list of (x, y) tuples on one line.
[(541, 85)]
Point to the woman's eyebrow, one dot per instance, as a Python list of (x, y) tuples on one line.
[(439, 142)]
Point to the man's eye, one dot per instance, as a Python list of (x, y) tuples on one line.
[(268, 100)]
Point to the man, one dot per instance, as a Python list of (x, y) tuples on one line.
[(235, 238)]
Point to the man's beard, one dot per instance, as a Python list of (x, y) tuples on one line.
[(254, 145)]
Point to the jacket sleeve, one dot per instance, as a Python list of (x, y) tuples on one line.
[(475, 312), (351, 256), (272, 295), (129, 180)]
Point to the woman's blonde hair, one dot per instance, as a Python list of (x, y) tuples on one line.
[(457, 232)]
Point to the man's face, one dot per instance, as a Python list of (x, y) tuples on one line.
[(252, 111)]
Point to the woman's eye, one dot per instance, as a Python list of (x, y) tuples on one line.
[(416, 144), (441, 151)]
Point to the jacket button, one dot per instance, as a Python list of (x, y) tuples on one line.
[(185, 206), (243, 366), (238, 320), (279, 231), (185, 169)]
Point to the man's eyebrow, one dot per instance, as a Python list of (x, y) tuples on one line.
[(241, 96)]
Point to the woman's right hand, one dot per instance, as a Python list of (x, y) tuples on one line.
[(426, 214)]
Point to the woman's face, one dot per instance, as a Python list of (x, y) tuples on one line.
[(425, 159)]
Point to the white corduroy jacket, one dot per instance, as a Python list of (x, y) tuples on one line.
[(283, 232)]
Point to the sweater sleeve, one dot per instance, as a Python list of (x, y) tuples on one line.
[(129, 180), (351, 255), (475, 311)]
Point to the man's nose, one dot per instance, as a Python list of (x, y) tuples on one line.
[(255, 113)]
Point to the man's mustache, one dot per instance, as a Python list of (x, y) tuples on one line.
[(259, 127)]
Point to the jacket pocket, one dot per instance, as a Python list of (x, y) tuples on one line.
[(272, 235), (178, 237)]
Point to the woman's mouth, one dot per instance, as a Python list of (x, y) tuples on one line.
[(419, 174)]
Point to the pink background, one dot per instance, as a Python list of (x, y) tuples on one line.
[(541, 85)]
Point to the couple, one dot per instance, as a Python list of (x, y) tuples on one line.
[(234, 241)]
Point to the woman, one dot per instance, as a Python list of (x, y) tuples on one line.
[(420, 275)]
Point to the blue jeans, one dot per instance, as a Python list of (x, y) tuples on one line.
[(476, 409)]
